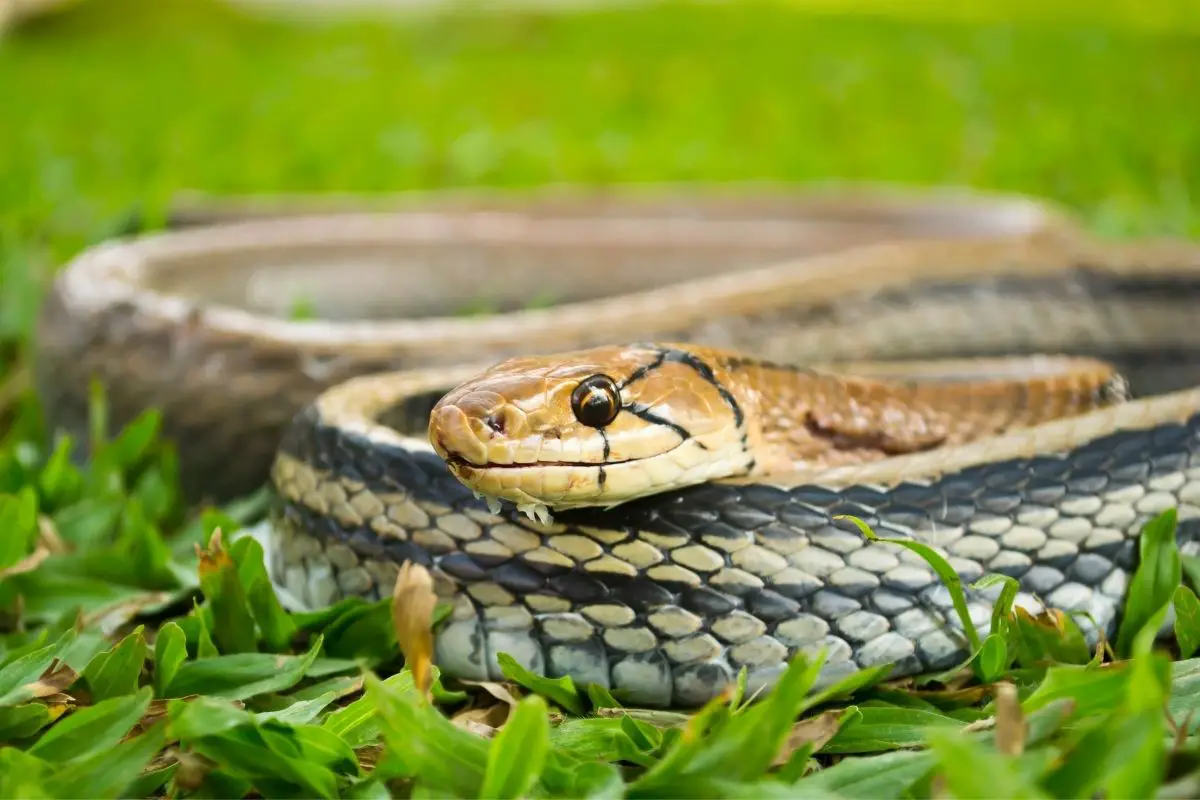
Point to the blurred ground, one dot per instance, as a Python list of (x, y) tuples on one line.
[(111, 108)]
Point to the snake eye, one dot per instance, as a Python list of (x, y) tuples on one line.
[(596, 401)]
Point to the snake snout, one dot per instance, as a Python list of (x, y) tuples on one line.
[(453, 438)]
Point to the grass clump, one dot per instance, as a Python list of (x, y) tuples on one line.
[(171, 669)]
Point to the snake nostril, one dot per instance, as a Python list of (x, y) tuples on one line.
[(496, 422)]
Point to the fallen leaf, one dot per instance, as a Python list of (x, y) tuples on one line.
[(1010, 722), (48, 536), (58, 704), (27, 564), (413, 603), (985, 724), (816, 730), (1103, 650), (478, 728), (192, 770), (1181, 731), (499, 691), (369, 755), (492, 716), (111, 618), (165, 758), (966, 696), (58, 676), (158, 710), (957, 680)]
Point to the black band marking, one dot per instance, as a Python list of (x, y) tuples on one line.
[(677, 356), (601, 474), (643, 412), (705, 372), (643, 371), (695, 363), (746, 362)]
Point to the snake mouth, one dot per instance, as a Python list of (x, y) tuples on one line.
[(463, 466), (458, 463)]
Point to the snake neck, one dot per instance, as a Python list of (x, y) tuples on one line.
[(804, 418)]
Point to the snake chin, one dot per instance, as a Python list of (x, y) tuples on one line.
[(458, 463)]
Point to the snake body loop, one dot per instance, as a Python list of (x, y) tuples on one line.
[(665, 595)]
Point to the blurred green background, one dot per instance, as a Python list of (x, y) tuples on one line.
[(109, 108)]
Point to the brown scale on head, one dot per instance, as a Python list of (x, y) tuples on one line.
[(602, 426)]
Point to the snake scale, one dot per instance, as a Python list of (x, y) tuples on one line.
[(1035, 469)]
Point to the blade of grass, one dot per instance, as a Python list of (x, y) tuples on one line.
[(1159, 572)]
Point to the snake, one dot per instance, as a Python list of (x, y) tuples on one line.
[(650, 483)]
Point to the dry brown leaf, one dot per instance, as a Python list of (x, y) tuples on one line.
[(49, 538), (500, 691), (369, 755), (193, 769), (985, 724), (157, 711), (492, 716), (818, 730), (1104, 647), (968, 695), (1010, 722), (161, 760), (413, 603), (27, 564), (58, 704), (1054, 618), (477, 728), (58, 676), (111, 618), (1181, 731)]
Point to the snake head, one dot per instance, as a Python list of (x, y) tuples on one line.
[(594, 427)]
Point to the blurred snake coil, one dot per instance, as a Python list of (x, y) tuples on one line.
[(955, 314)]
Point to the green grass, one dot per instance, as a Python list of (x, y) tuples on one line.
[(133, 665)]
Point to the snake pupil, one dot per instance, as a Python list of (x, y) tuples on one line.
[(596, 401)]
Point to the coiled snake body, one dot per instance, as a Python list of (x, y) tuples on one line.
[(733, 372)]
